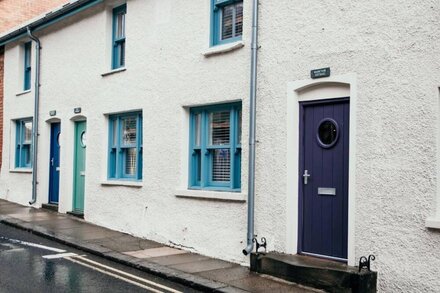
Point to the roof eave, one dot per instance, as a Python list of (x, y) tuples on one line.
[(49, 19)]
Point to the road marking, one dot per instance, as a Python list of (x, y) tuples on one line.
[(59, 255), (133, 279), (30, 244)]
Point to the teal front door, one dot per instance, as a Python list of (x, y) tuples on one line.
[(79, 168)]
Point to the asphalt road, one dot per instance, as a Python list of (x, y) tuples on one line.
[(29, 263)]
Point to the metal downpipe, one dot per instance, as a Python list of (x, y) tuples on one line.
[(36, 114), (252, 126)]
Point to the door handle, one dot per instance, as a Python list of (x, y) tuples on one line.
[(306, 176), (51, 161), (82, 173)]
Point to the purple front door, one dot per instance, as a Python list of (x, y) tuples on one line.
[(323, 178)]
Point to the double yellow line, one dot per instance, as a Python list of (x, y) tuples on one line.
[(118, 274)]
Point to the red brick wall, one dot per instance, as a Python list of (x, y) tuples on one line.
[(15, 12)]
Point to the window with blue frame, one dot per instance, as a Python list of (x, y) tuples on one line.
[(23, 157), (215, 147), (226, 21), (27, 66), (118, 58), (125, 146)]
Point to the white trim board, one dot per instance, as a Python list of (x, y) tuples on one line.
[(308, 90)]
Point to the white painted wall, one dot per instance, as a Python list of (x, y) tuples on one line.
[(390, 48)]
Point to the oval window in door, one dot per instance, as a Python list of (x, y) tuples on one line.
[(327, 133), (83, 139)]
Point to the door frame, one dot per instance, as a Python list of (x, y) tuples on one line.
[(76, 120), (312, 90), (302, 105), (50, 169)]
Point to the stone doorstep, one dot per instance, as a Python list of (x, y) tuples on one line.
[(322, 274), (50, 206)]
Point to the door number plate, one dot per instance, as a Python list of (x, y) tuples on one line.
[(326, 191)]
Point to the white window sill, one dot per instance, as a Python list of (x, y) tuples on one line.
[(135, 184), (114, 71), (23, 93), (221, 49), (433, 223), (211, 195), (25, 171)]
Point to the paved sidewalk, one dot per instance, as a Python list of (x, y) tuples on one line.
[(194, 270)]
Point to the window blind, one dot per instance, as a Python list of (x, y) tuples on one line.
[(219, 123), (221, 165), (232, 21)]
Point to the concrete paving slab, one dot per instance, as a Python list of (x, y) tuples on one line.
[(32, 216), (227, 275), (155, 252), (204, 265), (14, 209), (87, 233), (178, 259), (59, 223), (125, 243)]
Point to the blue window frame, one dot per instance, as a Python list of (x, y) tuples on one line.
[(215, 147), (27, 66), (23, 157), (226, 21), (125, 146), (118, 54)]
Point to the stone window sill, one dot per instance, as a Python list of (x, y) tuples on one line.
[(23, 93), (114, 71), (433, 223), (211, 195), (136, 184), (221, 49), (25, 171)]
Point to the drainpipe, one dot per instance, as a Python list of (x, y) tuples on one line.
[(252, 122), (36, 113)]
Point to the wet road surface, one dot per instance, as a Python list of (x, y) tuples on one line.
[(29, 263)]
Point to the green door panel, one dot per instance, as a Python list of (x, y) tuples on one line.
[(79, 167)]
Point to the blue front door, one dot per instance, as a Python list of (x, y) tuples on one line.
[(54, 163), (323, 178)]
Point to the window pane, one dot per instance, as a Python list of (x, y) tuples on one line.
[(239, 127), (197, 129), (238, 19), (221, 165), (227, 21), (120, 25), (129, 130), (219, 128), (27, 155), (130, 161), (122, 54), (198, 165), (28, 55), (115, 132), (27, 129)]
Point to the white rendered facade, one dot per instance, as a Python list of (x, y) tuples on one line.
[(385, 57)]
